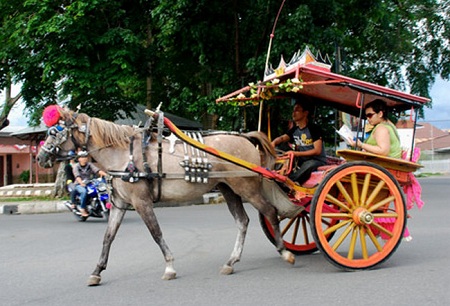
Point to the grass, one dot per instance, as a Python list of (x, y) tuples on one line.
[(429, 174), (37, 198)]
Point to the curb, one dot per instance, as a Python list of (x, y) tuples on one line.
[(32, 207), (57, 206)]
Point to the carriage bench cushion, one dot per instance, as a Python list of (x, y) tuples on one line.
[(318, 175)]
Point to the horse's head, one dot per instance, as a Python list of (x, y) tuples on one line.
[(60, 140)]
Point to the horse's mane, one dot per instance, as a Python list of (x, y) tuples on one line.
[(104, 133)]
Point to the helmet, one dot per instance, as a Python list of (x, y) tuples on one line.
[(82, 154)]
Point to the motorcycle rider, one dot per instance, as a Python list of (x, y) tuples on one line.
[(82, 171)]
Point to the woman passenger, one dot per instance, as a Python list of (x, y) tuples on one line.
[(383, 139)]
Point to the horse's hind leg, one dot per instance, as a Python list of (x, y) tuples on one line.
[(236, 208), (115, 219), (148, 216), (281, 248)]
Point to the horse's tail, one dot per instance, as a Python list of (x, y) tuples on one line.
[(268, 155)]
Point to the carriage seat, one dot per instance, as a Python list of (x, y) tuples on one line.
[(284, 165)]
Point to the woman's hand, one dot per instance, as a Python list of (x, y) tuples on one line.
[(358, 143)]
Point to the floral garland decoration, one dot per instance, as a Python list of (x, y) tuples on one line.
[(266, 91)]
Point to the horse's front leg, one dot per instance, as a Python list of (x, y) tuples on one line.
[(236, 208), (148, 216), (115, 219)]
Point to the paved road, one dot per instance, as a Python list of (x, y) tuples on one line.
[(45, 259)]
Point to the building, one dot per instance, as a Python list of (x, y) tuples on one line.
[(18, 150)]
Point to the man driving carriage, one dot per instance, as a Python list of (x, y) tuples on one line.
[(307, 142)]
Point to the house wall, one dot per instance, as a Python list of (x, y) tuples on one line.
[(20, 160)]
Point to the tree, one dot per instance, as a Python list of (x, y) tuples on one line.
[(111, 55)]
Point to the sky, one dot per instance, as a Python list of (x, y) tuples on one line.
[(438, 116)]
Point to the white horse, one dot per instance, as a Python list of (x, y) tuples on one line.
[(110, 145)]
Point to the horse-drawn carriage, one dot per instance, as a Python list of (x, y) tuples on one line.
[(353, 210), (354, 207)]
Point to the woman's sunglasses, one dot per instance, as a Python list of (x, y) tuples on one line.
[(370, 115)]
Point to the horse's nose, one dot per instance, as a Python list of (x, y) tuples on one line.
[(43, 162)]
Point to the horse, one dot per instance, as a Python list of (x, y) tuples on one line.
[(111, 146)]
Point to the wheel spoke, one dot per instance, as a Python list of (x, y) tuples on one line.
[(287, 226), (336, 227), (345, 194), (335, 201), (365, 188), (385, 215), (355, 189), (374, 239), (381, 203), (351, 249), (326, 222), (296, 226), (343, 236), (375, 192), (362, 238), (336, 215), (305, 230), (382, 229)]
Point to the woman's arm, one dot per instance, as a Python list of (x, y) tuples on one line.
[(382, 139)]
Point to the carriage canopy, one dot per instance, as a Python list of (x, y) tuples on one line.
[(304, 75)]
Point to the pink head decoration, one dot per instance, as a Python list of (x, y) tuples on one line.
[(51, 115)]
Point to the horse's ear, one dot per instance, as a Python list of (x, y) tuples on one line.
[(68, 116)]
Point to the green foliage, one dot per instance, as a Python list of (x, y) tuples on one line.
[(25, 176), (111, 55)]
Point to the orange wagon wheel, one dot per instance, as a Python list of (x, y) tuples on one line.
[(295, 232), (369, 206)]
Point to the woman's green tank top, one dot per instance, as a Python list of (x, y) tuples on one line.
[(396, 149)]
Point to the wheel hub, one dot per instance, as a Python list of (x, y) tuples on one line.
[(362, 216)]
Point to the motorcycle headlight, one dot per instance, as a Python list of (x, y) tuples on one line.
[(102, 187)]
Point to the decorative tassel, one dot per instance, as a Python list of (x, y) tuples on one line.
[(51, 115)]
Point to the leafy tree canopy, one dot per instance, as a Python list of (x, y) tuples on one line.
[(111, 55)]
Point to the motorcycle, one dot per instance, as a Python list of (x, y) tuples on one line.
[(98, 202)]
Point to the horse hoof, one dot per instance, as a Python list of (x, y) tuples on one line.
[(94, 280), (226, 270), (288, 257), (169, 275)]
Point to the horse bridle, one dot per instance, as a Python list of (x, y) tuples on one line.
[(60, 133)]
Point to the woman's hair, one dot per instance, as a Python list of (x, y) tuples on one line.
[(378, 105)]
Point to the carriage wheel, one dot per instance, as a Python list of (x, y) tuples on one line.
[(370, 207), (295, 232)]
